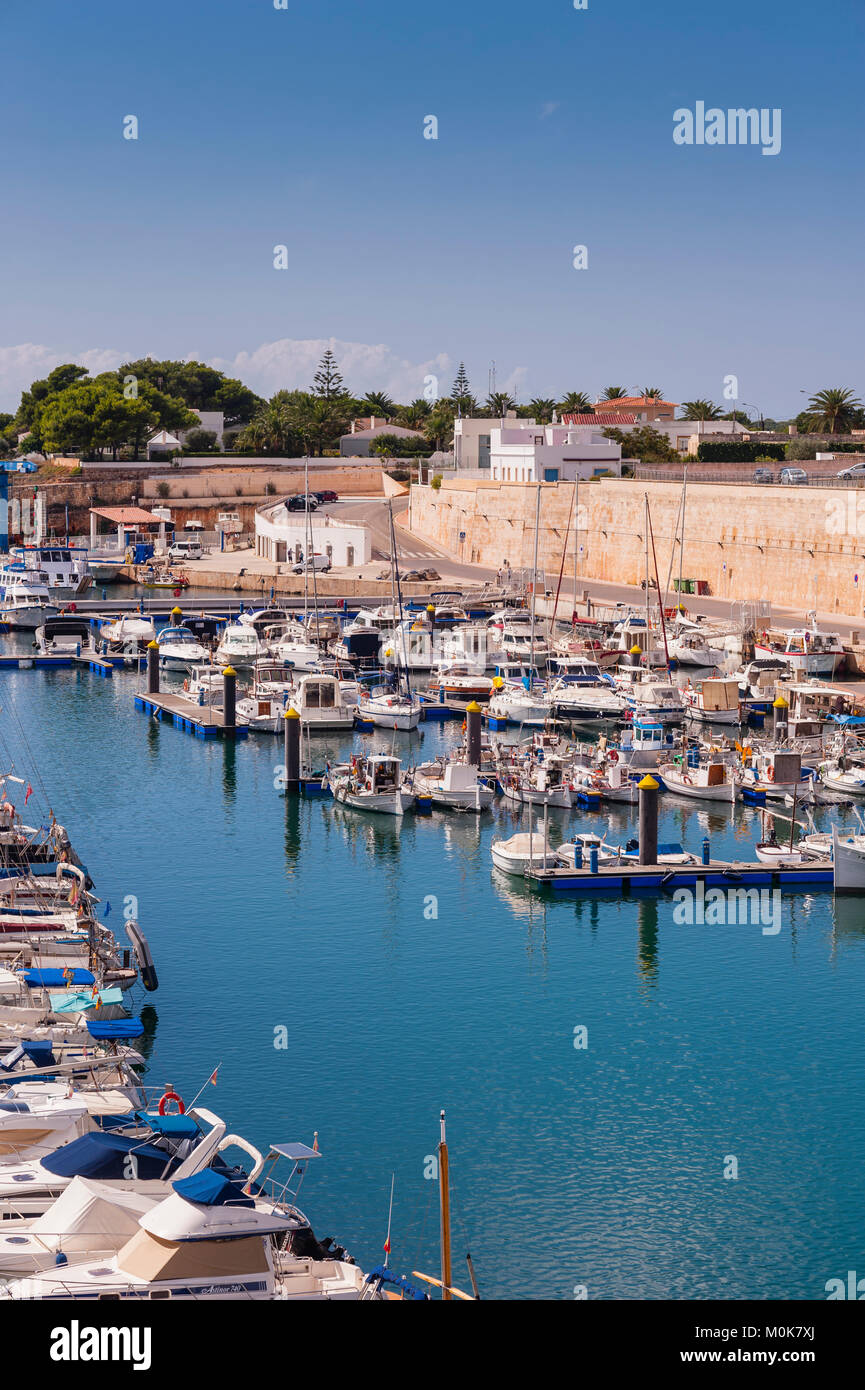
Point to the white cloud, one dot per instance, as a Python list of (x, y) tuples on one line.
[(287, 363), (548, 108)]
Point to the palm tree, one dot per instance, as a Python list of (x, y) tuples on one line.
[(412, 416), (652, 393), (613, 393), (378, 403), (575, 403), (270, 428), (700, 410), (439, 428), (833, 410), (499, 403), (541, 410)]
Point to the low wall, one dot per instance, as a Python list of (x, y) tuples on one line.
[(800, 546)]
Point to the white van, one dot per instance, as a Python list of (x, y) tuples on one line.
[(185, 550), (320, 563)]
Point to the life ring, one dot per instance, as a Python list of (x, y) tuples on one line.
[(368, 785), (186, 685), (686, 778), (770, 774), (171, 1095), (613, 756)]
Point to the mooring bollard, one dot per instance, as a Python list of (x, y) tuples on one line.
[(153, 668), (779, 717), (593, 859), (648, 790), (292, 751), (176, 617), (578, 854), (473, 734), (229, 697), (707, 851)]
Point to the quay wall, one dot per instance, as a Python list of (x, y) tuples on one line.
[(797, 546)]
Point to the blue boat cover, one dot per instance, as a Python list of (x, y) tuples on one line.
[(79, 1001), (39, 1051), (99, 1155), (56, 979), (114, 1028), (211, 1189), (177, 1126)]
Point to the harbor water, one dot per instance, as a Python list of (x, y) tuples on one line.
[(351, 974)]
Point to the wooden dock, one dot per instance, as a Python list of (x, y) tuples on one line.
[(201, 720), (632, 880)]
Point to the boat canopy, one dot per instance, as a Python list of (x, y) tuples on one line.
[(211, 1189), (56, 979), (101, 1155), (174, 1126), (114, 1029)]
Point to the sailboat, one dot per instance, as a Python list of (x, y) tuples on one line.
[(397, 708)]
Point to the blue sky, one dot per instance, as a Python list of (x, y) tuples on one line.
[(304, 127)]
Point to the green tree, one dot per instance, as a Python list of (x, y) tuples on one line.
[(541, 409), (377, 403), (327, 382), (576, 403), (498, 403), (654, 393), (700, 410), (439, 429), (461, 392), (412, 416), (613, 393), (645, 443), (833, 410)]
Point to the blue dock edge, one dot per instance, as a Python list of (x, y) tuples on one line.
[(667, 880), (186, 723)]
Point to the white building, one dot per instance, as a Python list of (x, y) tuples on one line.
[(284, 536), (473, 438), (552, 454)]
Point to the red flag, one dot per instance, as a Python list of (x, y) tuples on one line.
[(213, 1077), (28, 793)]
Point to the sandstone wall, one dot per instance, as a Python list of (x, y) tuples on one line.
[(801, 546)]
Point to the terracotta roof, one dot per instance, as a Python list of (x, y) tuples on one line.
[(602, 418), (126, 516), (635, 403)]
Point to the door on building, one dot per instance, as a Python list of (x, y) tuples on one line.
[(349, 555), (280, 552)]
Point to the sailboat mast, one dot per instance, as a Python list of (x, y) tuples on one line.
[(576, 532), (396, 595), (445, 1201), (648, 610), (682, 541), (534, 583)]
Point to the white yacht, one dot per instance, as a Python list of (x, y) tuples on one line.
[(456, 786), (688, 645), (26, 602), (241, 647), (321, 702), (62, 568), (524, 852), (807, 651), (180, 649), (581, 693), (129, 633)]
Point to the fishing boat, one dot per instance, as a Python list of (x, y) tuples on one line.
[(371, 782), (610, 780), (539, 783), (180, 649), (581, 847), (848, 858), (713, 701), (174, 580), (806, 651), (649, 698), (843, 775), (700, 781), (775, 772), (455, 786), (524, 852)]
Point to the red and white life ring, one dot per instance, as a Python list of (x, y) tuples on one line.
[(613, 756), (169, 1097)]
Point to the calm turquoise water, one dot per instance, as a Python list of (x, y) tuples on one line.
[(601, 1167)]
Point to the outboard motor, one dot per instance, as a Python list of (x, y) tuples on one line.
[(142, 955)]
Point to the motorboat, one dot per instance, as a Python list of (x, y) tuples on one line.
[(652, 699), (180, 649), (89, 1218), (458, 681), (633, 636), (609, 780), (782, 856), (843, 776), (372, 782), (518, 697), (26, 602), (241, 647), (524, 853), (587, 841), (321, 702), (63, 569), (539, 783), (456, 786), (807, 651), (776, 772), (64, 636), (129, 633), (580, 693), (758, 678), (687, 645)]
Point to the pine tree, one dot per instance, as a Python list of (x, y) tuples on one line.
[(327, 382), (461, 390)]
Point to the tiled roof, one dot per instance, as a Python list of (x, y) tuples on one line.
[(636, 402), (603, 418)]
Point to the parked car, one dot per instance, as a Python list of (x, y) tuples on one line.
[(319, 563), (763, 475), (185, 550), (327, 495), (304, 502), (855, 470), (793, 475)]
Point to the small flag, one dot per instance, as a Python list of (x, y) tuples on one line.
[(28, 793), (213, 1077), (315, 1142), (107, 907), (387, 1246)]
